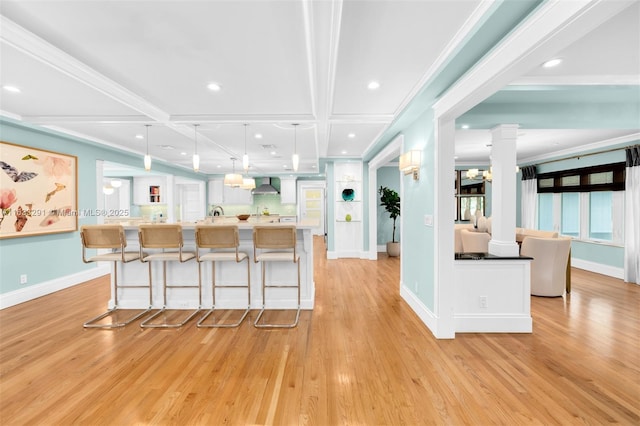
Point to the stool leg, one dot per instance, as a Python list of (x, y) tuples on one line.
[(214, 286), (147, 323), (92, 323), (264, 286)]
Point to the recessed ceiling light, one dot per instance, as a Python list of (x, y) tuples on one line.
[(214, 87), (12, 89), (373, 85), (258, 135), (552, 63), (465, 126), (218, 166), (183, 153), (273, 153), (139, 136), (344, 152), (351, 135)]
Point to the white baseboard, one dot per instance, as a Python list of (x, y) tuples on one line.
[(493, 323), (332, 255), (598, 268), (34, 291), (426, 316)]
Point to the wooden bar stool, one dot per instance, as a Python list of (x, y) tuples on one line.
[(220, 239), (275, 244), (164, 237), (109, 237)]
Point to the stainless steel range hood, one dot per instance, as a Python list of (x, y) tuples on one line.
[(265, 188)]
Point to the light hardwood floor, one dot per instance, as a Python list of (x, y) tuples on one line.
[(360, 358)]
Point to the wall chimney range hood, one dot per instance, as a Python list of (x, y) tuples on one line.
[(265, 188)]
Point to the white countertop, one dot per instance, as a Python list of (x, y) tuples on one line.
[(242, 224)]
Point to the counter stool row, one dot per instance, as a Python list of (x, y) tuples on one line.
[(214, 243)]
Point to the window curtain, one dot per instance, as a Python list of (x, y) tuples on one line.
[(529, 201), (632, 217)]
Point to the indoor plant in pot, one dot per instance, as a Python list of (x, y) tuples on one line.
[(390, 200)]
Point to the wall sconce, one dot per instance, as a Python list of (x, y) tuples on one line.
[(410, 163)]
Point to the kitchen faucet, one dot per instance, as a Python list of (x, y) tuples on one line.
[(217, 211)]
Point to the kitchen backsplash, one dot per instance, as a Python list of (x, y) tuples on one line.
[(271, 202)]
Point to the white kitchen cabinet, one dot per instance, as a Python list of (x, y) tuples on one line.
[(237, 196), (288, 190), (220, 194), (216, 191), (149, 190)]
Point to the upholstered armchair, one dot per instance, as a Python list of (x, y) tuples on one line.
[(549, 265), (457, 238), (474, 242)]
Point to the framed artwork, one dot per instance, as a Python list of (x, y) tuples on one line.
[(38, 191)]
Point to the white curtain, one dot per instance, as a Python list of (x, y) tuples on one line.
[(529, 200), (632, 216)]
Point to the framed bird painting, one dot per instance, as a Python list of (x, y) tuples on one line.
[(38, 191)]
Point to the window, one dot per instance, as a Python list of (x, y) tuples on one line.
[(586, 204), (570, 214)]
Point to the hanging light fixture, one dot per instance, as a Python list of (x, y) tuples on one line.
[(233, 179), (295, 158), (196, 157), (245, 157), (248, 183), (147, 157)]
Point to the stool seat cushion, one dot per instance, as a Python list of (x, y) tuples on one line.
[(175, 256), (114, 257), (276, 256), (223, 256)]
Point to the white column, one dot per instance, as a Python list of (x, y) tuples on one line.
[(503, 196)]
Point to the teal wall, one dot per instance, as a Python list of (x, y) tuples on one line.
[(47, 257), (418, 243), (389, 177)]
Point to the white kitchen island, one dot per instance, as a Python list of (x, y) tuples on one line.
[(227, 273)]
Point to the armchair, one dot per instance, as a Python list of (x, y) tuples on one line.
[(549, 265)]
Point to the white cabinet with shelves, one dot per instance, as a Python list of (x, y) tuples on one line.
[(149, 190), (288, 190), (348, 229)]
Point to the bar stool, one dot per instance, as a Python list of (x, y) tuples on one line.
[(109, 237), (165, 237), (280, 245), (221, 238)]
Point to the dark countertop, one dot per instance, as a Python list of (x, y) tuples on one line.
[(487, 256)]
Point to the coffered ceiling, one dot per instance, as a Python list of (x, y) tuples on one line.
[(103, 70)]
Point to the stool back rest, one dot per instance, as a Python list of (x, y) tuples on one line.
[(217, 236), (103, 236), (160, 236), (274, 237)]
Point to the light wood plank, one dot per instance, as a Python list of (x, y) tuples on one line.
[(361, 357)]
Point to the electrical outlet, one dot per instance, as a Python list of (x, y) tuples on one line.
[(23, 279), (484, 302)]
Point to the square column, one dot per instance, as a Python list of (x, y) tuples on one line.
[(503, 196)]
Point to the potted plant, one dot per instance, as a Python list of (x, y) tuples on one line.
[(390, 200)]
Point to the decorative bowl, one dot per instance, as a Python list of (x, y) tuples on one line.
[(348, 194), (243, 216)]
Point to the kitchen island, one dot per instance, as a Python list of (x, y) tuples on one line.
[(227, 273)]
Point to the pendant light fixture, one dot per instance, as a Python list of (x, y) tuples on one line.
[(147, 157), (233, 179), (196, 157), (295, 158), (245, 157)]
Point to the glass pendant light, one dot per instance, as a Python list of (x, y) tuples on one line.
[(245, 157), (147, 157), (295, 158), (196, 157)]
